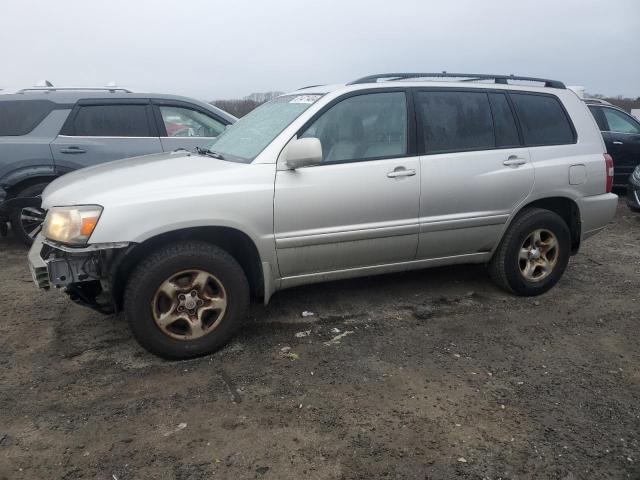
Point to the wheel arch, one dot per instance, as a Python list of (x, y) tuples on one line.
[(566, 207), (234, 241), (21, 184)]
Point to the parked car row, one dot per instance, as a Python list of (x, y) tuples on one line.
[(47, 132), (386, 173)]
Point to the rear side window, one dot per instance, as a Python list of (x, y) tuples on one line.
[(19, 117), (543, 120), (110, 121), (454, 121), (503, 121)]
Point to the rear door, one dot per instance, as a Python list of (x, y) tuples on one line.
[(623, 143), (474, 171), (99, 131), (184, 125)]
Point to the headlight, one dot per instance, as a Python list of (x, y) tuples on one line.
[(71, 225)]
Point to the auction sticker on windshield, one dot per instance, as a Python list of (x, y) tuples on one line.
[(304, 98)]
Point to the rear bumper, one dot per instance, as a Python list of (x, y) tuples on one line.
[(596, 212)]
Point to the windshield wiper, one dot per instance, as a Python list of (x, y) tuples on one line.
[(210, 153)]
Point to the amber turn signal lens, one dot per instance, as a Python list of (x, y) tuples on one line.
[(88, 225)]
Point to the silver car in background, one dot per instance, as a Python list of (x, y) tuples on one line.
[(387, 173)]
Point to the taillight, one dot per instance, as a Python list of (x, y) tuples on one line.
[(608, 161)]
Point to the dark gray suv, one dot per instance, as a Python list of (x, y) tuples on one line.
[(47, 132)]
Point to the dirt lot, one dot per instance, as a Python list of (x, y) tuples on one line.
[(438, 375)]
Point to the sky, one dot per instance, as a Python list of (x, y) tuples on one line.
[(212, 49)]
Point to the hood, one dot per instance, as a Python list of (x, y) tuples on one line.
[(131, 179)]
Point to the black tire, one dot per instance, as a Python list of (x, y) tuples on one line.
[(504, 267), (161, 265), (25, 232)]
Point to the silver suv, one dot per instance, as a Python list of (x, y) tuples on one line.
[(387, 173)]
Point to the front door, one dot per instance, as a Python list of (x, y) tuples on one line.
[(360, 206), (96, 133)]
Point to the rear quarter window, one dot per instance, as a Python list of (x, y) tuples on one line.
[(543, 120), (19, 117)]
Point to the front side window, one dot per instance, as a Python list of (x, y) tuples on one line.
[(620, 122), (244, 140), (363, 127), (543, 120), (453, 121), (185, 122), (111, 121)]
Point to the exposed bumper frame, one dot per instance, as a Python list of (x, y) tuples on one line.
[(85, 274)]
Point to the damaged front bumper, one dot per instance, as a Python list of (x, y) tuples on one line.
[(85, 274)]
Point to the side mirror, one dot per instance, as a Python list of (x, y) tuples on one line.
[(303, 152)]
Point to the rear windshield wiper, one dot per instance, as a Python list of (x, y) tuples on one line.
[(210, 153)]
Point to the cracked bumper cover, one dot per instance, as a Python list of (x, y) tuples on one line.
[(84, 273)]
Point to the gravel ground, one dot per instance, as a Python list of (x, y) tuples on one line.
[(434, 374)]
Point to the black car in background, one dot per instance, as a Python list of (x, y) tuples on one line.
[(621, 134)]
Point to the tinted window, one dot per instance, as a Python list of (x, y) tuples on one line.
[(111, 121), (620, 122), (185, 122), (455, 121), (542, 119), (19, 117), (503, 121), (599, 116), (363, 127)]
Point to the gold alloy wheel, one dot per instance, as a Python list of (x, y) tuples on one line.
[(538, 255), (189, 305)]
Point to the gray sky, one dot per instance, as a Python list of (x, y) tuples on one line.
[(214, 49)]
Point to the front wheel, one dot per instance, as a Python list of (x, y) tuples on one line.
[(533, 254), (186, 300)]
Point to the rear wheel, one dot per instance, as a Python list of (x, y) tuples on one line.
[(533, 254), (186, 299), (26, 222)]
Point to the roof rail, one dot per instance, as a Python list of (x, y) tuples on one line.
[(74, 89), (465, 77), (598, 101)]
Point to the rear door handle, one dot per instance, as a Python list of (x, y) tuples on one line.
[(401, 172), (618, 143), (73, 150), (514, 161)]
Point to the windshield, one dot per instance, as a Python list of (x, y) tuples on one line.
[(246, 138)]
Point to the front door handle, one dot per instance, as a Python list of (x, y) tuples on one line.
[(617, 142), (401, 172), (514, 161), (73, 150)]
